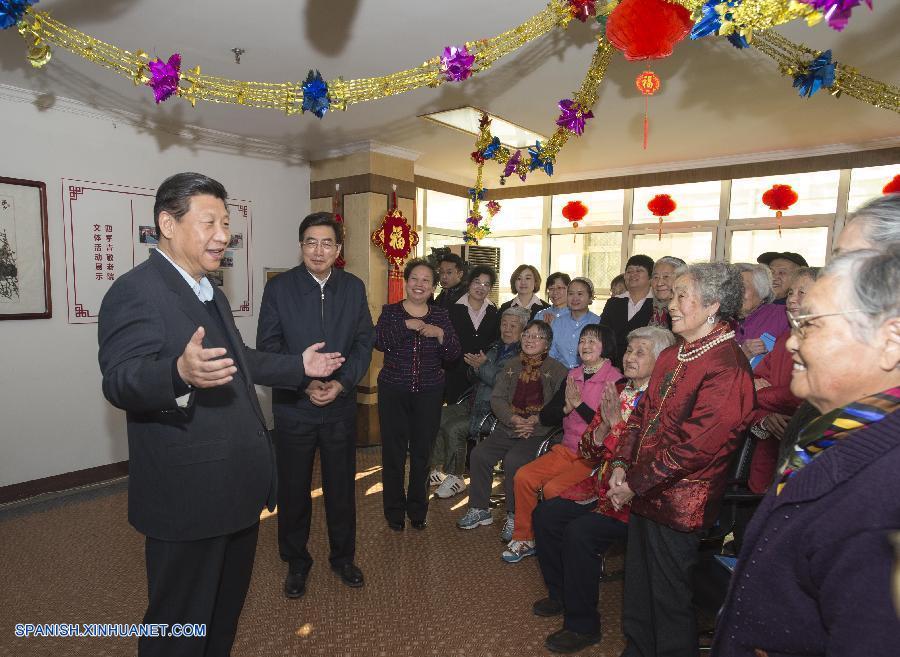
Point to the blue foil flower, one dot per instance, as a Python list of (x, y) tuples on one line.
[(491, 149), (315, 94), (709, 22), (814, 75), (536, 162), (738, 41), (11, 11), (476, 194)]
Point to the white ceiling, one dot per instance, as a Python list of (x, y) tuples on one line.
[(716, 102)]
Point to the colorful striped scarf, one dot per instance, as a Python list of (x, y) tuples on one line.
[(827, 430)]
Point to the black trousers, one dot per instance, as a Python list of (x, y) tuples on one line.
[(570, 540), (295, 452), (657, 615), (409, 422), (202, 581)]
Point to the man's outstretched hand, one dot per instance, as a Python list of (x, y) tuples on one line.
[(316, 364), (204, 368)]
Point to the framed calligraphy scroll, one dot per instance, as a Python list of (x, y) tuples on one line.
[(24, 250)]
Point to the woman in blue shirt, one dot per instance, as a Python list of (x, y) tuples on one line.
[(567, 327)]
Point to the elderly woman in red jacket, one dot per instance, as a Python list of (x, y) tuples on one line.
[(672, 459)]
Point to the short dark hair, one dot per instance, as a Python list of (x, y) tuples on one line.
[(558, 276), (605, 334), (175, 192), (419, 262), (542, 326), (323, 219), (479, 270), (518, 270), (641, 260), (620, 278), (455, 259)]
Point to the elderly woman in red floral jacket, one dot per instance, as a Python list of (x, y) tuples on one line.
[(672, 459)]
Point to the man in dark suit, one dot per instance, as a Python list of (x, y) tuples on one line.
[(311, 303), (201, 461), (634, 308)]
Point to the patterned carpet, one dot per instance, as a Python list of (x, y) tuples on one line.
[(441, 592)]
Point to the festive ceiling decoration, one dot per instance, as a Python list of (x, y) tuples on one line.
[(648, 84), (574, 211), (486, 146), (661, 205), (647, 29), (779, 198), (836, 12), (892, 187), (396, 239)]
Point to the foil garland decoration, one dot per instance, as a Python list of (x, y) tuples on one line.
[(491, 149), (164, 77), (815, 74), (535, 161), (456, 63), (315, 94), (12, 11), (582, 10), (573, 116), (836, 12), (492, 207), (511, 164)]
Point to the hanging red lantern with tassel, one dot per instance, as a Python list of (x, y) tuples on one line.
[(779, 198), (661, 205), (396, 239), (892, 187), (647, 29), (574, 211)]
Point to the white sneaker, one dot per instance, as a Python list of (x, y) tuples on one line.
[(450, 487), (518, 550), (435, 478)]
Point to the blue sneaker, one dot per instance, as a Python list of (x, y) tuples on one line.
[(474, 518), (518, 550), (508, 526)]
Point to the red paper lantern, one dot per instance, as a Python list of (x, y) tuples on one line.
[(779, 198), (574, 211), (661, 205), (892, 187), (647, 29)]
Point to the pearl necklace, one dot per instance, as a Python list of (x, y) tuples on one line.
[(596, 368), (686, 357)]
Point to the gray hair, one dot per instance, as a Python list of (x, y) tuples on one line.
[(519, 313), (761, 276), (659, 337), (670, 260), (869, 280), (717, 282), (808, 272), (880, 219)]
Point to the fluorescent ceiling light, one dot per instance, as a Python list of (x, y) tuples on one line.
[(467, 118)]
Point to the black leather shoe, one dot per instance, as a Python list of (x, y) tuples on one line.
[(295, 584), (567, 641), (350, 574), (547, 607), (396, 526), (418, 524)]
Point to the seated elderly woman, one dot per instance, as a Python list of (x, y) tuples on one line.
[(521, 390), (673, 457), (760, 321), (574, 530), (461, 421), (814, 575), (573, 406)]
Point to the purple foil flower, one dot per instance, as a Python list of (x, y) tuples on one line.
[(456, 63), (511, 164), (837, 12), (572, 116), (164, 77)]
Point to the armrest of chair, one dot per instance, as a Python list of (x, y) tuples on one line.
[(553, 438)]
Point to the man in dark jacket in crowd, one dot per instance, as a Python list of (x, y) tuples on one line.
[(316, 302), (452, 271)]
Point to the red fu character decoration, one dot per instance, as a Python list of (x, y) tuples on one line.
[(396, 239), (779, 198), (661, 205), (574, 211), (647, 29)]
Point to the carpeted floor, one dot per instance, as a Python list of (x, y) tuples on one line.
[(441, 592)]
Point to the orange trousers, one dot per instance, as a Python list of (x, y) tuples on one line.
[(555, 471)]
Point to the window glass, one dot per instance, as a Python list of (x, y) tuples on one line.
[(433, 241), (595, 255), (604, 208), (811, 243), (517, 214), (446, 211), (867, 183), (817, 194), (694, 202), (690, 247), (515, 251)]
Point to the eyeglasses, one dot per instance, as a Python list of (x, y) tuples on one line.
[(534, 336), (312, 245), (799, 323), (481, 283)]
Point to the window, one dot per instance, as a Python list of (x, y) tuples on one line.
[(433, 241), (446, 211), (811, 243), (694, 201), (597, 256), (517, 214), (604, 208), (817, 194), (690, 247), (515, 251), (867, 183)]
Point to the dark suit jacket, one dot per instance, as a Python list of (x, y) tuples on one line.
[(615, 315), (471, 341), (207, 469), (294, 314)]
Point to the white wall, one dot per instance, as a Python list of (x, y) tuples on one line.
[(53, 417)]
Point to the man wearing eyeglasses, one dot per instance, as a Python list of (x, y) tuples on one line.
[(317, 302)]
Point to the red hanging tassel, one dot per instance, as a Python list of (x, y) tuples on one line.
[(648, 84), (395, 285)]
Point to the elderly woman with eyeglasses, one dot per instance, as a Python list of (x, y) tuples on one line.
[(760, 321), (672, 459), (813, 577), (521, 390)]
